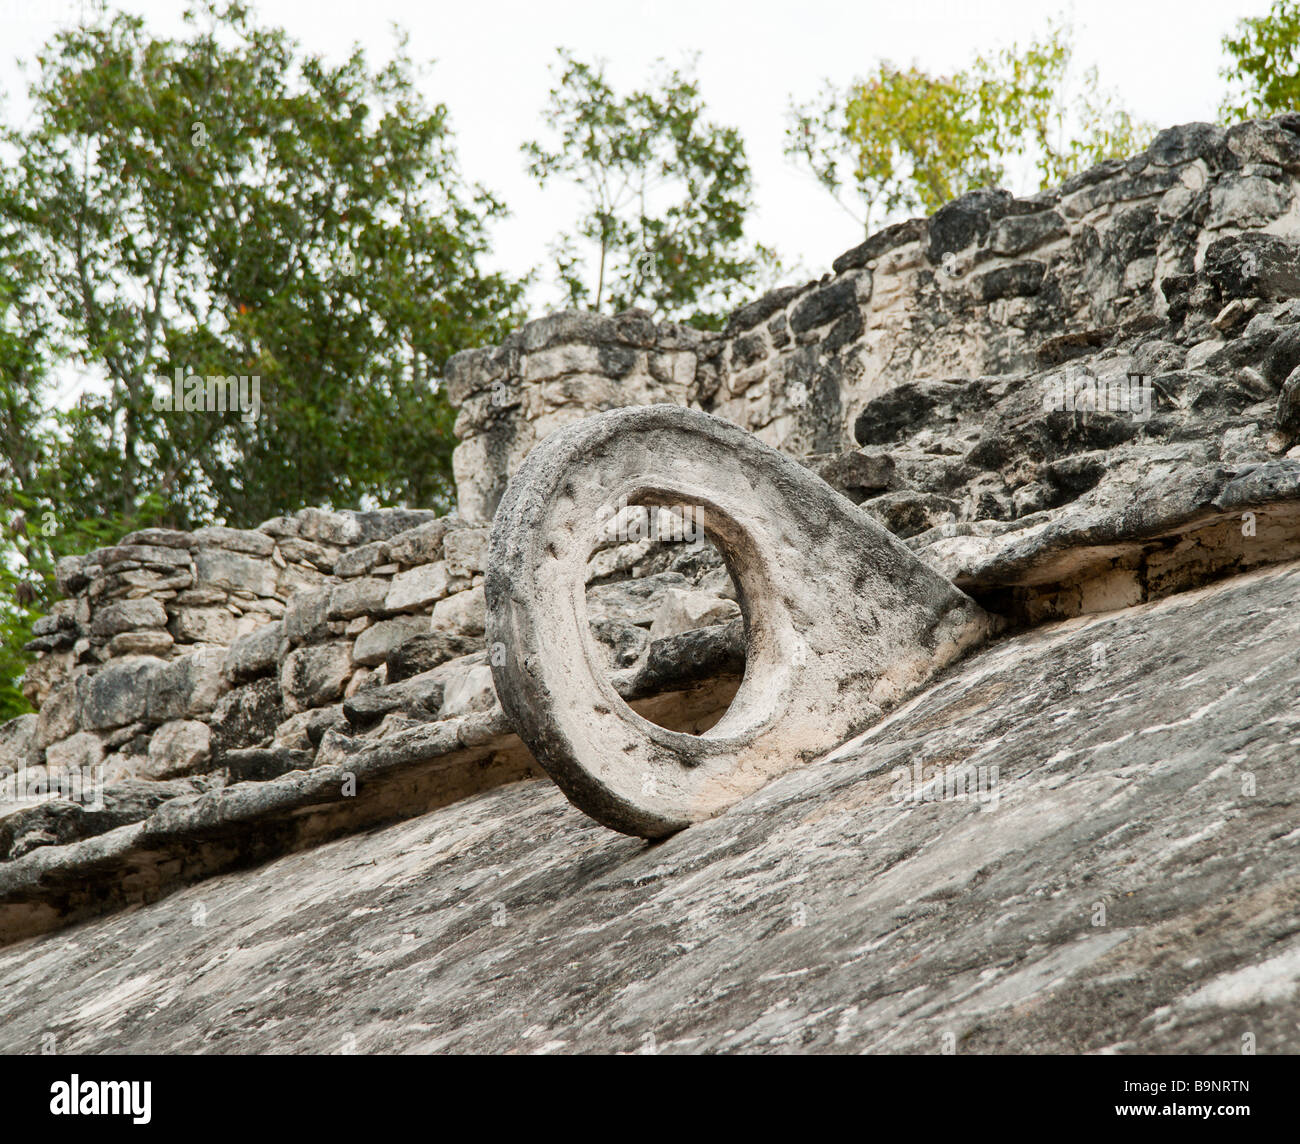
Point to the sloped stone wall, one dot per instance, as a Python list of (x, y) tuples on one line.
[(851, 906)]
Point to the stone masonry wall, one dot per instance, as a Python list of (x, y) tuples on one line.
[(990, 284), (551, 372), (181, 663), (215, 653)]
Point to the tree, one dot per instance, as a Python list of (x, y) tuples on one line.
[(903, 140), (1264, 74), (666, 197), (23, 386), (224, 205)]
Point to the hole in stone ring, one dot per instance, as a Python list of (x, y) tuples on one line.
[(665, 612)]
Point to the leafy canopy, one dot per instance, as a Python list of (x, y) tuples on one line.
[(665, 196), (904, 140), (1264, 73), (224, 204)]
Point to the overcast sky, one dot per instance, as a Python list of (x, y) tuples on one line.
[(492, 59)]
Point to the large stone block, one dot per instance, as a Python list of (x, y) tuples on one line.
[(46, 673), (467, 692), (466, 551), (481, 469), (161, 538), (418, 587), (419, 545), (363, 596), (422, 653), (1247, 201), (633, 601), (84, 749), (235, 540), (187, 687), (235, 571), (255, 653), (359, 561), (298, 551), (71, 574), (419, 697), (386, 523), (118, 693), (461, 614), (377, 642), (1189, 141), (128, 616), (155, 642), (315, 676), (203, 625), (17, 737), (1019, 233), (306, 616), (337, 528), (181, 747), (1265, 141), (685, 611), (60, 713), (139, 554), (965, 221), (827, 304), (247, 716), (1253, 266)]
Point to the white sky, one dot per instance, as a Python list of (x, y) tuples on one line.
[(492, 70)]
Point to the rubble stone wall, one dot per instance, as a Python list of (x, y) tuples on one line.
[(989, 285), (224, 653), (180, 663)]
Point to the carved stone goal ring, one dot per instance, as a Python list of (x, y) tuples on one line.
[(841, 619)]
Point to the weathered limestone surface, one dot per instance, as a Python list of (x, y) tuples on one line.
[(555, 371), (1133, 888), (180, 653)]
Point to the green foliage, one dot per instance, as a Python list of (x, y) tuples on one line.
[(39, 459), (1264, 75), (223, 204), (15, 629), (32, 545), (903, 140), (666, 196), (226, 205)]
